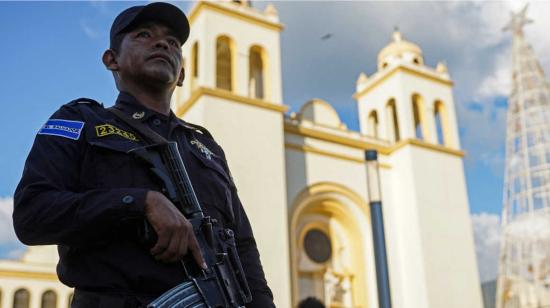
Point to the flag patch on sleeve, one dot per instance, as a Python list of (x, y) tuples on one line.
[(62, 128)]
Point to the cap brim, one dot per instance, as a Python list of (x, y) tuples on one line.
[(165, 13)]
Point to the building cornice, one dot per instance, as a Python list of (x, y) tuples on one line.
[(310, 149), (28, 275), (220, 8), (364, 145), (377, 80), (224, 94), (428, 146), (296, 129)]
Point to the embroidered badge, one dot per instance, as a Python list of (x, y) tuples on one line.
[(138, 115), (203, 148), (108, 129), (62, 128)]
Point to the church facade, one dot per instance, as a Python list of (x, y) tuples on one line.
[(302, 176)]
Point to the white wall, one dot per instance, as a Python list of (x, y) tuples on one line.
[(252, 139)]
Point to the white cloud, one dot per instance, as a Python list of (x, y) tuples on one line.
[(499, 82), (9, 244), (487, 241), (6, 210)]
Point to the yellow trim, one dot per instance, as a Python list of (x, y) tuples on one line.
[(194, 66), (402, 69), (201, 5), (439, 106), (232, 60), (310, 149), (428, 146), (392, 120), (418, 100), (268, 92), (233, 54), (219, 93), (29, 275), (373, 123), (354, 143), (265, 61)]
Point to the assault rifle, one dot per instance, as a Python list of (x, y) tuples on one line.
[(223, 284)]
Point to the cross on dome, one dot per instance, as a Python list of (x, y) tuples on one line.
[(399, 49), (397, 37)]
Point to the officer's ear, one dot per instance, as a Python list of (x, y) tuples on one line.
[(181, 77), (109, 60)]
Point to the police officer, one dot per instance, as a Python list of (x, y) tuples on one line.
[(81, 190)]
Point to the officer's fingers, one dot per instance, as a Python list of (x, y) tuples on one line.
[(184, 245), (163, 242), (196, 251), (171, 252)]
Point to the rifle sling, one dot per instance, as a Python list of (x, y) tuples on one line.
[(144, 131)]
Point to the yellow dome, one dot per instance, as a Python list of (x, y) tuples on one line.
[(397, 49)]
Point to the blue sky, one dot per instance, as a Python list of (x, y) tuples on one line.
[(51, 54)]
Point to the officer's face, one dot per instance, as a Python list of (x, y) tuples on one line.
[(151, 53)]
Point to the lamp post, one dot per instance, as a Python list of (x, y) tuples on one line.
[(377, 222)]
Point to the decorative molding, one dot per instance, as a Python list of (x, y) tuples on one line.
[(363, 145), (202, 5), (347, 141), (310, 149), (404, 69), (428, 146), (224, 94), (28, 275)]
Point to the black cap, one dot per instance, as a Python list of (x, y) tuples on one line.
[(168, 14)]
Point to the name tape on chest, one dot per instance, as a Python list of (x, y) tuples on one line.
[(62, 128), (108, 129)]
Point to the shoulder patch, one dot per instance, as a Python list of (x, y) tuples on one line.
[(62, 128)]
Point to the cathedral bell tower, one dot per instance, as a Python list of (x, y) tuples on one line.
[(233, 88), (410, 106), (406, 99)]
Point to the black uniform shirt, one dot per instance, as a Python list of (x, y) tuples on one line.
[(82, 191)]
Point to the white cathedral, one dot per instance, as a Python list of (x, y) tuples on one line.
[(302, 176)]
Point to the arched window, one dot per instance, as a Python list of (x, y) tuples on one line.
[(21, 299), (49, 299), (195, 60), (373, 124), (441, 124), (256, 69), (418, 118), (224, 66), (392, 121)]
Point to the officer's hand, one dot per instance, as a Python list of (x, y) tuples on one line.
[(174, 231)]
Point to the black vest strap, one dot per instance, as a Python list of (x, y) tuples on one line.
[(149, 135)]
